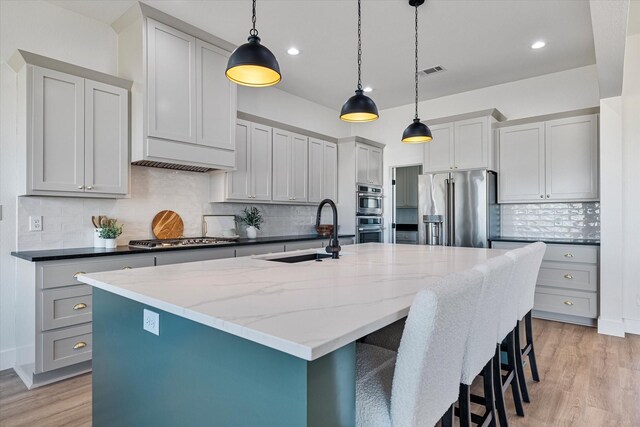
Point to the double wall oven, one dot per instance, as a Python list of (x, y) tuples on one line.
[(369, 220)]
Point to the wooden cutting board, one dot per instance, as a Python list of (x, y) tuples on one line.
[(167, 225)]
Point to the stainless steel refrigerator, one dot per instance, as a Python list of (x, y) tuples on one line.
[(458, 208)]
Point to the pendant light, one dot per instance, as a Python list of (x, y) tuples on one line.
[(417, 131), (252, 64), (359, 108)]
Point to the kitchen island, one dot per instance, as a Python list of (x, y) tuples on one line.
[(250, 341)]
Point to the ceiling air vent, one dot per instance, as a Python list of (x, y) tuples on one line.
[(429, 71)]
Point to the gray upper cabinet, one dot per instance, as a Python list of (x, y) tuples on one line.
[(316, 167), (439, 152), (290, 163), (73, 130), (58, 154), (407, 187), (330, 172), (238, 182), (183, 107), (368, 164), (556, 160), (171, 88)]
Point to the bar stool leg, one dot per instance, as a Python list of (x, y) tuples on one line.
[(532, 354), (489, 396), (515, 386), (464, 405), (497, 387), (447, 418), (520, 366)]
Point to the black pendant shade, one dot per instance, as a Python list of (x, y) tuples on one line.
[(252, 64), (416, 132), (359, 108)]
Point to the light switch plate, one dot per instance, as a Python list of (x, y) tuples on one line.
[(35, 223), (151, 322)]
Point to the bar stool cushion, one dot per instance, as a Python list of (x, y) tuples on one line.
[(387, 337), (374, 376)]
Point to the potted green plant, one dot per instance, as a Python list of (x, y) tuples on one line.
[(110, 232), (252, 217)]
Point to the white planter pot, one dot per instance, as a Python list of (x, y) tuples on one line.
[(252, 232), (110, 243), (98, 242)]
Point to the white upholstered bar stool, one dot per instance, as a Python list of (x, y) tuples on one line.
[(419, 384), (481, 345), (533, 260)]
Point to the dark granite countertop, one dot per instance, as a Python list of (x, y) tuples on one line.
[(559, 241), (71, 253)]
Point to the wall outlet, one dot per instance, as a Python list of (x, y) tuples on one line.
[(151, 322), (35, 223)]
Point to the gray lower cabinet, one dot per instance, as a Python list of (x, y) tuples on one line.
[(260, 249), (177, 257), (567, 285)]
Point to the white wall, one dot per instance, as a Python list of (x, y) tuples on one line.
[(551, 93)]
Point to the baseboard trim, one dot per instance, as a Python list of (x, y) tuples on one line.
[(7, 358), (613, 327), (632, 326)]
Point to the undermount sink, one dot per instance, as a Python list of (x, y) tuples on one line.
[(301, 258)]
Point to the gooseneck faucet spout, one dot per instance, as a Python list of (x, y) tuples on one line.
[(334, 245)]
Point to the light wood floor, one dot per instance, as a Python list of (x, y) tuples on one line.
[(587, 380)]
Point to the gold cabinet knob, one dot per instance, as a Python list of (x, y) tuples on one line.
[(548, 196), (568, 276), (126, 268), (80, 306), (89, 187), (79, 345), (568, 303), (78, 274), (80, 187), (541, 196), (568, 255)]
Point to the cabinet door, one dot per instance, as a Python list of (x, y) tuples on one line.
[(171, 83), (216, 98), (375, 166), (471, 147), (401, 201), (299, 167), (330, 172), (238, 184), (439, 153), (281, 165), (106, 165), (571, 147), (521, 175), (362, 164), (316, 165), (260, 169), (57, 158), (411, 187)]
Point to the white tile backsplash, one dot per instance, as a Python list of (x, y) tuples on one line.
[(557, 220), (67, 221)]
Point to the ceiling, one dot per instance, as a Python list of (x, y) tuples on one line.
[(479, 42)]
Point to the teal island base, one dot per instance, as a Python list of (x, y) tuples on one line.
[(195, 375)]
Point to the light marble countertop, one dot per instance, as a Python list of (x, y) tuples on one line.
[(306, 309)]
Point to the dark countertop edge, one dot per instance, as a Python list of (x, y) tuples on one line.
[(73, 253), (557, 241)]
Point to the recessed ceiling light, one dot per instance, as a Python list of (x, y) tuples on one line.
[(293, 51), (368, 89), (538, 45)]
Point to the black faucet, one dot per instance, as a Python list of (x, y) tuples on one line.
[(334, 245)]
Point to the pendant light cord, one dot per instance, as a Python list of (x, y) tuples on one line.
[(253, 31), (359, 47), (416, 5)]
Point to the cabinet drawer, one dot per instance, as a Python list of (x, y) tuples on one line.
[(259, 249), (569, 276), (66, 347), (176, 257), (60, 273), (572, 253), (574, 303), (66, 307), (407, 235), (307, 244)]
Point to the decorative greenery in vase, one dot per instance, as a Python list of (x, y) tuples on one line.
[(111, 230), (252, 217)]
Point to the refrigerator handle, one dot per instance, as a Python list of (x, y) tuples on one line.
[(452, 213), (447, 214)]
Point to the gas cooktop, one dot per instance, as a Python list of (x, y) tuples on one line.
[(183, 241)]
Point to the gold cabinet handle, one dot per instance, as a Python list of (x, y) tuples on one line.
[(89, 187), (79, 345), (568, 276), (568, 303), (78, 274), (80, 306), (126, 268), (80, 187), (568, 255)]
